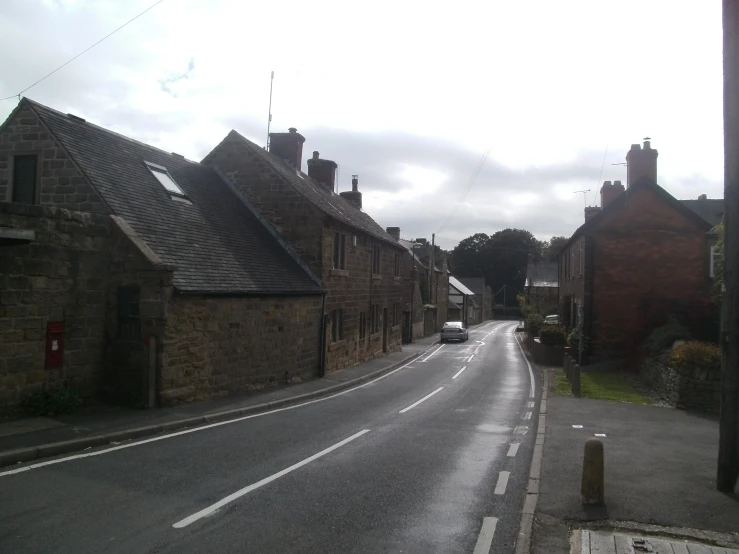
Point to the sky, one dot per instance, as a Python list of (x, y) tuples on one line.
[(409, 95)]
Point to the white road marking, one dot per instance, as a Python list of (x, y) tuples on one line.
[(200, 428), (513, 449), (600, 434), (404, 410), (527, 415), (577, 426), (459, 372), (470, 358), (246, 490), (502, 482), (434, 352), (485, 540), (520, 430), (529, 404), (481, 343), (532, 386)]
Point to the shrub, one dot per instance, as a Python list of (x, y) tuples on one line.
[(573, 340), (52, 401), (696, 355), (534, 322), (663, 338), (552, 334)]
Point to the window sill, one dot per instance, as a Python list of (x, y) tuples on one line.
[(337, 344), (376, 277), (340, 272)]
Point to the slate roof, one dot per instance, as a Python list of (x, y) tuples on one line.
[(543, 274), (217, 244), (327, 201), (454, 282), (709, 209), (453, 306), (475, 284), (408, 245)]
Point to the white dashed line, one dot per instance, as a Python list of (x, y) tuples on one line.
[(529, 404), (502, 482), (404, 410), (246, 490), (434, 352), (527, 415), (513, 449), (459, 372), (470, 359), (485, 540)]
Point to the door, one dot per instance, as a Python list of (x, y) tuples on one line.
[(384, 330), (407, 327)]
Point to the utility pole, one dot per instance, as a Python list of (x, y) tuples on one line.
[(728, 453), (432, 270)]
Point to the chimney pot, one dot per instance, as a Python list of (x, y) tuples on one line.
[(355, 183), (292, 130), (316, 156), (288, 147), (617, 184)]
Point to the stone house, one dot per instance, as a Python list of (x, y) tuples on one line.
[(542, 284), (357, 261), (483, 297), (413, 297), (129, 269), (464, 300), (638, 258), (435, 285)]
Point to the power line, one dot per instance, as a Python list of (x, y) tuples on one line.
[(597, 185), (84, 51), (468, 187)]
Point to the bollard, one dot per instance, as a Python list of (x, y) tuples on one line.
[(575, 372), (568, 367), (592, 490)]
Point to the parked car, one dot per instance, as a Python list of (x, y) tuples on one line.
[(551, 320), (454, 330)]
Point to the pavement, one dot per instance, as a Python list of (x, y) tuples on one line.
[(660, 475), (432, 456)]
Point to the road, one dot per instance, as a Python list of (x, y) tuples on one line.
[(433, 457)]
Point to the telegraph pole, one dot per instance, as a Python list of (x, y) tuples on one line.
[(728, 453), (432, 270)]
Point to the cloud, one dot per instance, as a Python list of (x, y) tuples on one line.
[(176, 78)]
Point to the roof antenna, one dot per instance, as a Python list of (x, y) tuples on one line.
[(269, 119), (584, 196)]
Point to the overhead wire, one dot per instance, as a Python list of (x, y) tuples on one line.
[(478, 169), (83, 52)]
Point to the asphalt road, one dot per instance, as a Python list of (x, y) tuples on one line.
[(415, 461)]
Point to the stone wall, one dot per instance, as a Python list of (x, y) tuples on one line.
[(662, 379), (59, 181), (63, 276), (695, 390), (217, 346)]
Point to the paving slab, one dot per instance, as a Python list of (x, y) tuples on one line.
[(604, 542)]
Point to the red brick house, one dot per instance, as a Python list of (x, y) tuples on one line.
[(639, 258), (357, 261), (127, 268)]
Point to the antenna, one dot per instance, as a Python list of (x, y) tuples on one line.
[(269, 120), (584, 195)]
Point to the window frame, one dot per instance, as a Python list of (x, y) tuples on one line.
[(376, 254), (396, 271), (396, 314), (156, 168), (11, 181), (362, 325), (374, 319), (339, 255), (715, 257), (129, 319), (337, 325)]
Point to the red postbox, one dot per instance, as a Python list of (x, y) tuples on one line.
[(54, 344)]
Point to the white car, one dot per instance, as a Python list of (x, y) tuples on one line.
[(551, 320), (454, 330)]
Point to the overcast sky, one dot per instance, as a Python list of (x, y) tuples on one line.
[(406, 94)]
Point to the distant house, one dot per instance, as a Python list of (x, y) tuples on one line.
[(483, 297), (356, 260), (542, 282), (464, 298), (639, 258), (132, 270)]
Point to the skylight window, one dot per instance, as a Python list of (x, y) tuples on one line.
[(163, 176)]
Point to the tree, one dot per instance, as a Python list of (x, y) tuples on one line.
[(553, 247)]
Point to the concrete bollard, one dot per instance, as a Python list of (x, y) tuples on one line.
[(568, 366), (592, 490), (575, 373)]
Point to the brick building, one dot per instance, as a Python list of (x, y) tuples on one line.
[(639, 258), (130, 269), (357, 261), (542, 284)]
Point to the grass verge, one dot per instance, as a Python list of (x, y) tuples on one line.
[(601, 385)]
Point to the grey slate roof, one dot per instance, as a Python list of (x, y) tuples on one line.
[(454, 282), (709, 209), (325, 200), (475, 284), (218, 245), (543, 274)]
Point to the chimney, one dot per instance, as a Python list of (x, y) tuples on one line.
[(640, 163), (703, 197), (394, 232), (323, 171), (591, 212), (608, 193), (354, 196), (288, 147)]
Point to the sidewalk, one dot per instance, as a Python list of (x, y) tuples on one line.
[(32, 438), (660, 471)]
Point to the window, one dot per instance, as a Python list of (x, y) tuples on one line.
[(337, 325), (572, 263), (375, 318), (362, 325), (376, 259), (129, 319), (25, 170), (397, 265), (396, 314), (339, 244), (582, 257), (163, 176), (716, 259)]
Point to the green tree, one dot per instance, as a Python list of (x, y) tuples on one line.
[(552, 248)]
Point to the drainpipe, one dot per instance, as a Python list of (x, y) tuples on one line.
[(322, 339)]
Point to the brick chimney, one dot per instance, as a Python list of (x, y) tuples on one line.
[(609, 192), (288, 147), (641, 162), (323, 171), (393, 232), (591, 212), (354, 196)]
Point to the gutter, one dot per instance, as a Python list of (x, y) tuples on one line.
[(322, 339)]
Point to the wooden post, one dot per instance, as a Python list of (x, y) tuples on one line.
[(575, 380), (728, 454)]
